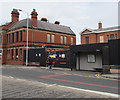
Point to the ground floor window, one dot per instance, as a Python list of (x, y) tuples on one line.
[(91, 58), (8, 54), (16, 54), (20, 54), (101, 39), (12, 54)]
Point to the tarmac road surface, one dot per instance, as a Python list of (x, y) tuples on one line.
[(64, 78)]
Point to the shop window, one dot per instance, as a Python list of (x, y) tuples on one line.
[(87, 40), (62, 56)]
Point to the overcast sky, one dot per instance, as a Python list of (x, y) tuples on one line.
[(76, 15)]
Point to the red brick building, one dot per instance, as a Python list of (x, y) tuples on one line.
[(41, 33), (100, 35)]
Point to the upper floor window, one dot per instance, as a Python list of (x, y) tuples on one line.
[(12, 37), (65, 40), (21, 36), (48, 37), (53, 38), (87, 40), (112, 36), (61, 39), (71, 41), (101, 39), (8, 38), (17, 36)]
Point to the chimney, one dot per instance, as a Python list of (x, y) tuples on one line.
[(57, 22), (34, 18), (99, 25), (44, 19), (15, 15)]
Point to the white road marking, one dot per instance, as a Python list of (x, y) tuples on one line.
[(92, 91)]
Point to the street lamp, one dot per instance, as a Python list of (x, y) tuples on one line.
[(27, 35)]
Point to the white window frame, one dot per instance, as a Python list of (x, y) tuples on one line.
[(65, 40), (101, 39), (53, 38), (61, 39), (72, 41), (91, 58), (48, 38)]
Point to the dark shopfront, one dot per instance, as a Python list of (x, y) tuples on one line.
[(96, 56), (39, 56)]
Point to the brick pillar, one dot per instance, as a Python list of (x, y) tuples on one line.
[(10, 35), (18, 36), (10, 54), (18, 54), (23, 55), (4, 56), (14, 54)]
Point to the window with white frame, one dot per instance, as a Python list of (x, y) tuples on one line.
[(61, 39), (71, 41), (112, 36), (91, 58), (48, 37), (101, 39), (65, 40), (53, 38)]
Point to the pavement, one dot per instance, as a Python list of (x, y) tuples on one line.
[(79, 73), (113, 76), (64, 77), (21, 89)]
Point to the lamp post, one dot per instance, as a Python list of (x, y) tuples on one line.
[(27, 35)]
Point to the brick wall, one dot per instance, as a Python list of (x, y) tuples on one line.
[(92, 38), (95, 38), (36, 37)]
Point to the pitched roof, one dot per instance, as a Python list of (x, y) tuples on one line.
[(102, 30), (43, 26)]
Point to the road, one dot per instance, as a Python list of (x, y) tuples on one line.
[(64, 78)]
